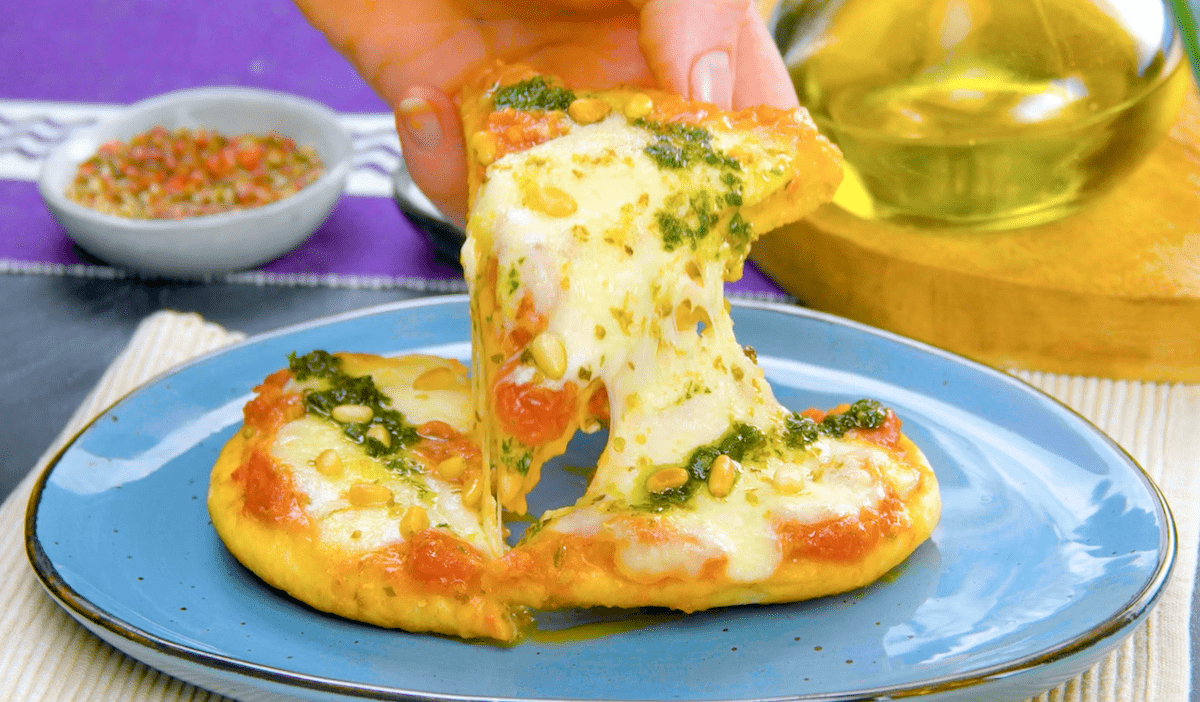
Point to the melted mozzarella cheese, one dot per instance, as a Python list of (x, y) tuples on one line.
[(651, 324), (441, 401), (652, 560), (297, 445)]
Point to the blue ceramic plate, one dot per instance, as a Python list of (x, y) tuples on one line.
[(1052, 546)]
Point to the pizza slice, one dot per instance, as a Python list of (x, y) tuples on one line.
[(602, 228), (579, 202), (355, 485)]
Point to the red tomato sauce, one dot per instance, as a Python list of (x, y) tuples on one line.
[(886, 435), (527, 323), (444, 563), (552, 558), (535, 414), (271, 495), (598, 405), (272, 407), (673, 108), (440, 441), (517, 130), (844, 539)]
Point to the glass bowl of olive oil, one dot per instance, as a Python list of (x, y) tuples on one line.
[(983, 114)]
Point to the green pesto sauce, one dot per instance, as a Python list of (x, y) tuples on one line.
[(514, 280), (739, 442), (515, 456), (345, 389), (316, 364), (402, 466), (693, 389), (416, 481), (739, 232), (690, 228), (800, 431), (678, 145), (733, 196), (533, 94), (531, 530)]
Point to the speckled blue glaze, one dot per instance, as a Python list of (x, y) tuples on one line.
[(1052, 545)]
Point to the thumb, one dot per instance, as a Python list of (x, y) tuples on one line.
[(431, 142), (690, 46), (716, 51)]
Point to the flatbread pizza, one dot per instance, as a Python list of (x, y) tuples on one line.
[(354, 485), (603, 226)]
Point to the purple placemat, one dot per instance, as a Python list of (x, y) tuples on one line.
[(124, 51), (366, 237)]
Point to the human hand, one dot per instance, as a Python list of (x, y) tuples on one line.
[(418, 53)]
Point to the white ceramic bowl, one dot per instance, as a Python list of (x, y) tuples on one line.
[(209, 244)]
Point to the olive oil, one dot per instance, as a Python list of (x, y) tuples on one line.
[(983, 113), (573, 626)]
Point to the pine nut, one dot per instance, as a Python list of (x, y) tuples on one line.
[(721, 476), (368, 495), (588, 110), (452, 468), (666, 479), (350, 414), (552, 201), (413, 521), (328, 463), (549, 354), (638, 106), (473, 493), (380, 434), (440, 378), (788, 479), (510, 487)]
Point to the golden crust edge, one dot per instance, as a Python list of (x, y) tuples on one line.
[(300, 567), (793, 581)]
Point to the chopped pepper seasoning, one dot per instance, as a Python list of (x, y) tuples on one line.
[(164, 174)]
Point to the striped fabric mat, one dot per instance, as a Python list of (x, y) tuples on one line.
[(366, 243), (45, 656)]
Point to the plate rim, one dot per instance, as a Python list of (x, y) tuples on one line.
[(95, 618)]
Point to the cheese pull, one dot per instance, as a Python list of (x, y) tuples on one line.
[(611, 311)]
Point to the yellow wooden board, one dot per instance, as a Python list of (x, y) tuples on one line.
[(1112, 291)]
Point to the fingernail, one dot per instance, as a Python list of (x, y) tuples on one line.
[(712, 79), (420, 121)]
